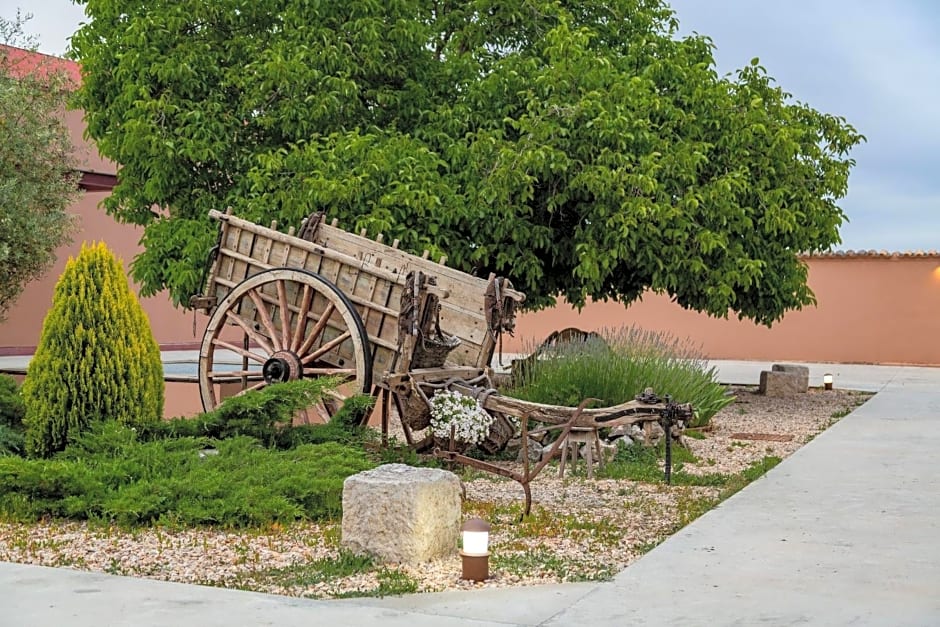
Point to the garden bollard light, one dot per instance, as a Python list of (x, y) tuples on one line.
[(475, 554)]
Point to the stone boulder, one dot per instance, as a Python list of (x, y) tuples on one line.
[(402, 514), (801, 372), (784, 380)]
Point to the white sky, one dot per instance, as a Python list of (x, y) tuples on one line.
[(876, 63)]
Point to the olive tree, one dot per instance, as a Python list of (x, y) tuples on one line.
[(37, 183), (583, 149)]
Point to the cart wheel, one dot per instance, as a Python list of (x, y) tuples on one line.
[(280, 325)]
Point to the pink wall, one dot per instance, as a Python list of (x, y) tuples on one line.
[(19, 333), (872, 308)]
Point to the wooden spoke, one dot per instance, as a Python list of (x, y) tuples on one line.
[(317, 329), (302, 318), (241, 351), (295, 297), (256, 386), (248, 329), (233, 374), (329, 372), (323, 350), (285, 314), (262, 310)]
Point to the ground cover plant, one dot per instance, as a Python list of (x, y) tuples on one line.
[(619, 365), (238, 466)]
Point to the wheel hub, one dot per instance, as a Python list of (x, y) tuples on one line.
[(282, 366)]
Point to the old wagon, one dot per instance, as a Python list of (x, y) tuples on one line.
[(325, 302)]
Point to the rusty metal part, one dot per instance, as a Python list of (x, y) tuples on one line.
[(528, 474)]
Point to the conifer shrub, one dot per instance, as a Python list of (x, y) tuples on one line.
[(96, 360)]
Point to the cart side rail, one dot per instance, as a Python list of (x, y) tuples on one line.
[(463, 312)]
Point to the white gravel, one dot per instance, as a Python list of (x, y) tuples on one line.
[(579, 529)]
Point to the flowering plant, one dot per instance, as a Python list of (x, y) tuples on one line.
[(471, 422)]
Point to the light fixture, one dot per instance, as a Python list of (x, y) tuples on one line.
[(475, 554), (827, 381)]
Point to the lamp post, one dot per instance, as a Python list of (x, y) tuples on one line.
[(827, 381), (475, 554)]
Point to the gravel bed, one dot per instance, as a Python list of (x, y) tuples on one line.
[(580, 529)]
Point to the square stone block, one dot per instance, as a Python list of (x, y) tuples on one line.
[(402, 514), (776, 383), (799, 371)]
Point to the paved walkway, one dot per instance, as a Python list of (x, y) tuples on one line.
[(844, 532)]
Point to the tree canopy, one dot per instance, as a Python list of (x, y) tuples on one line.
[(582, 148), (37, 184)]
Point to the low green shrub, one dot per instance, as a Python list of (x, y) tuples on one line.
[(622, 366), (266, 415), (12, 441), (109, 474), (12, 408), (12, 411)]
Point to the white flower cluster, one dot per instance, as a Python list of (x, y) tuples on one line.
[(472, 423)]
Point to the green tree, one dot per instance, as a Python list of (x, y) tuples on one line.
[(37, 182), (97, 358), (581, 148)]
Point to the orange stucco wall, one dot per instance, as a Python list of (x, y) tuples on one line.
[(871, 309)]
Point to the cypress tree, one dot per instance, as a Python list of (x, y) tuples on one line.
[(97, 358)]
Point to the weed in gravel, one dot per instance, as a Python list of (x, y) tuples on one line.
[(640, 463), (394, 582), (754, 471), (690, 506), (331, 535), (114, 567), (839, 414), (645, 547), (305, 574), (544, 563)]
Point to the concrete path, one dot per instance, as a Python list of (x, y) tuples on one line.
[(844, 532)]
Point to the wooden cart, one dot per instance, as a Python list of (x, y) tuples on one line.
[(326, 302)]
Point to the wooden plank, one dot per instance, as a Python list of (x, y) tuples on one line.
[(401, 261)]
